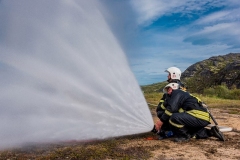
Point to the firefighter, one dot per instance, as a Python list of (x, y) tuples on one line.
[(174, 75), (187, 116)]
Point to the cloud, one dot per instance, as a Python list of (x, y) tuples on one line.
[(168, 49), (201, 23), (157, 34), (150, 10), (217, 28), (213, 18)]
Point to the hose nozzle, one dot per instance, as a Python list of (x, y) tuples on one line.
[(154, 130)]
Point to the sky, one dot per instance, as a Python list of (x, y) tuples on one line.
[(158, 34), (60, 59)]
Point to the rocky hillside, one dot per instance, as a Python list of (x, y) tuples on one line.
[(217, 70)]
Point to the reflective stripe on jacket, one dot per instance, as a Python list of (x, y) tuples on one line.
[(199, 114), (181, 101)]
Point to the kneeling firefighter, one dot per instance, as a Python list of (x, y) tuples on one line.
[(162, 129), (186, 116)]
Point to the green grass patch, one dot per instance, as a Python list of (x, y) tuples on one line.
[(211, 101), (113, 148)]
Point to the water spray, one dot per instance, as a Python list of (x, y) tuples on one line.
[(64, 76)]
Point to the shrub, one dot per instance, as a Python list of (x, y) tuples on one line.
[(209, 92), (235, 93), (222, 92)]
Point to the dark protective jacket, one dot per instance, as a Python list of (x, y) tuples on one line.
[(182, 101), (161, 106)]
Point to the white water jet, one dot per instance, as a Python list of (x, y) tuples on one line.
[(64, 75)]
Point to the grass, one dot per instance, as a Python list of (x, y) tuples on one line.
[(114, 148), (215, 102), (211, 101), (233, 106)]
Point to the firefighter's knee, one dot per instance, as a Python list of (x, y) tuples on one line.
[(174, 117)]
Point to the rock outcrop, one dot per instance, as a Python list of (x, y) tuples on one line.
[(217, 70)]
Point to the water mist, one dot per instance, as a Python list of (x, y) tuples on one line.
[(64, 76)]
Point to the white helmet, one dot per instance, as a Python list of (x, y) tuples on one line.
[(174, 72), (172, 85)]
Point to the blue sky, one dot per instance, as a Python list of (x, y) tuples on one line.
[(157, 34), (60, 59)]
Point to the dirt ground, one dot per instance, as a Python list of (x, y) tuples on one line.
[(138, 147), (210, 148)]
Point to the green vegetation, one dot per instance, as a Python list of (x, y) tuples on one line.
[(127, 147), (217, 97), (153, 88), (222, 92), (114, 148), (215, 71), (153, 91), (197, 84)]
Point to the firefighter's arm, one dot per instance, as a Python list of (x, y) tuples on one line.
[(172, 107), (175, 102), (165, 116), (167, 113), (160, 106)]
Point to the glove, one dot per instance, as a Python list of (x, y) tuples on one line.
[(154, 130)]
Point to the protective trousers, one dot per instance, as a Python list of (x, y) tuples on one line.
[(186, 125)]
